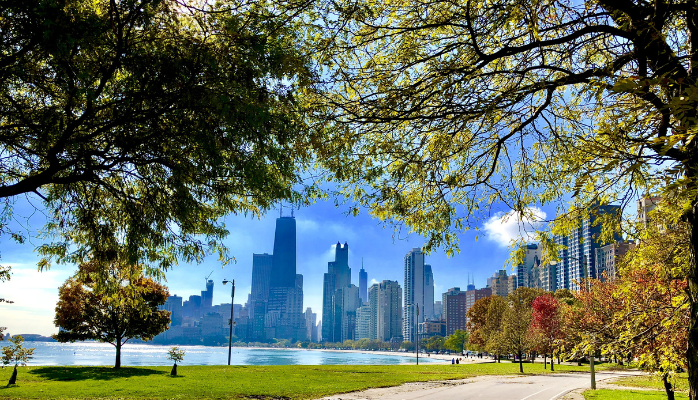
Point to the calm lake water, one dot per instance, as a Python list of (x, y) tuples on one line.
[(51, 353)]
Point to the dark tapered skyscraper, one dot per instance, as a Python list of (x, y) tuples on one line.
[(363, 284), (284, 255)]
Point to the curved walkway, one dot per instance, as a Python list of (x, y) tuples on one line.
[(525, 387)]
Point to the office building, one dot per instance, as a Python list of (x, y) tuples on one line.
[(428, 293), (208, 295), (346, 301), (260, 286), (373, 297), (337, 277), (310, 325), (437, 310), (284, 254), (418, 287), (363, 284), (174, 305)]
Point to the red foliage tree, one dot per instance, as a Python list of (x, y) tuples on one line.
[(547, 323)]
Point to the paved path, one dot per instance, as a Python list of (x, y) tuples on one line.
[(530, 387)]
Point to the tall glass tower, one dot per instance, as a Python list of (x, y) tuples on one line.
[(284, 254)]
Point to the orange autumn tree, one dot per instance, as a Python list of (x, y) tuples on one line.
[(112, 303)]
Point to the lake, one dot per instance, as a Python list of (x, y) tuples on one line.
[(90, 353)]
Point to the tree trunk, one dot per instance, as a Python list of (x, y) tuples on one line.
[(692, 351), (520, 360), (545, 361), (13, 378), (552, 362), (667, 386), (173, 372), (118, 361)]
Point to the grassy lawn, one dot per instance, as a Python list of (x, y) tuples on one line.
[(679, 382), (607, 394), (236, 382)]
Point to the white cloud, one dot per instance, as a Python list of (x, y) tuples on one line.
[(35, 295), (373, 282), (503, 228)]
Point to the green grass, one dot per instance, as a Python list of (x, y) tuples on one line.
[(236, 382), (680, 382), (607, 394)]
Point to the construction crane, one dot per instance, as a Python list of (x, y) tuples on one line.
[(207, 278)]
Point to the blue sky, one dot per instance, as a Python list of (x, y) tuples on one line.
[(319, 227)]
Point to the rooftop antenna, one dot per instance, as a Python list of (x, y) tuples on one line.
[(292, 213), (280, 211)]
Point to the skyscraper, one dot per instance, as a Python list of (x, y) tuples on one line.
[(363, 284), (208, 296), (526, 278), (418, 289), (428, 293), (577, 260), (284, 255), (310, 325), (388, 310), (337, 277), (454, 308), (284, 316), (260, 287)]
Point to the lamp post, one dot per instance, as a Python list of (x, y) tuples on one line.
[(230, 321)]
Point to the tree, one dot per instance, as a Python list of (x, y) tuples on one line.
[(15, 353), (516, 321), (110, 303), (141, 123), (493, 328), (476, 321), (176, 355), (547, 322), (440, 111), (457, 341)]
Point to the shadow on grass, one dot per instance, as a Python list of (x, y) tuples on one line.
[(94, 373)]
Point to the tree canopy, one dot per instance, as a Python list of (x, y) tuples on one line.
[(141, 123), (110, 303), (440, 112)]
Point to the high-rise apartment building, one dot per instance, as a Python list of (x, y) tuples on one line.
[(346, 301), (363, 284), (337, 277), (454, 308), (608, 256), (470, 297), (389, 321), (503, 284), (437, 310), (363, 319), (428, 293), (418, 287), (577, 260), (528, 274)]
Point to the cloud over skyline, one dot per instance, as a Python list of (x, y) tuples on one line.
[(504, 228)]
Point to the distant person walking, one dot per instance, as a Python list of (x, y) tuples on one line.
[(453, 361)]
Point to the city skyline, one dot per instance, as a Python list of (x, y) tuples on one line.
[(319, 228)]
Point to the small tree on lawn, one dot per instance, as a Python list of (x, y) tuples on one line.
[(15, 353), (110, 303), (175, 355)]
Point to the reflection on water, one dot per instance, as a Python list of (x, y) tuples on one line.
[(51, 353)]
